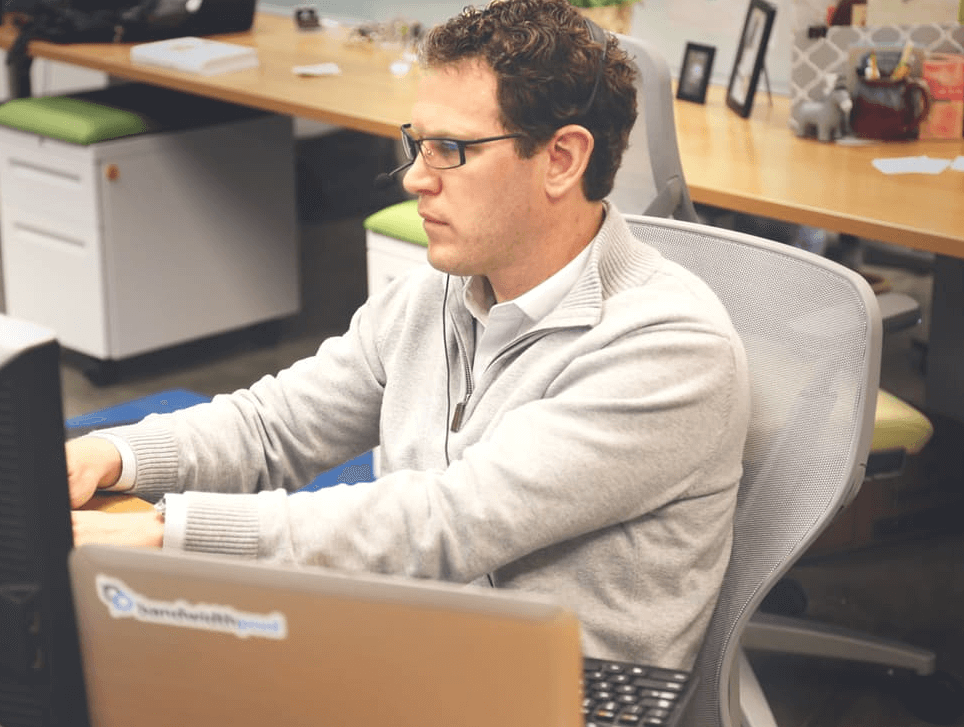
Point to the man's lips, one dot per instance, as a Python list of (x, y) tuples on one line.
[(431, 219)]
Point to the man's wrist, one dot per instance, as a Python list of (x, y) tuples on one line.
[(128, 464)]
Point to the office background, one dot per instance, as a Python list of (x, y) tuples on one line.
[(913, 590)]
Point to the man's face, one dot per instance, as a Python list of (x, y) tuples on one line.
[(481, 218)]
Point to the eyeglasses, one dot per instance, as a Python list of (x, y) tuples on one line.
[(441, 153)]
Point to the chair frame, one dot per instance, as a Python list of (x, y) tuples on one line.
[(654, 134), (728, 694)]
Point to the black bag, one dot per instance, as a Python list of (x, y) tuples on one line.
[(89, 21)]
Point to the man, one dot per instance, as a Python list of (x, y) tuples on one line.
[(558, 408)]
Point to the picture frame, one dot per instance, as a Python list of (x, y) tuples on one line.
[(750, 54), (694, 75)]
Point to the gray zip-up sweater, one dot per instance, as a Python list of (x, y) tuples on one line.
[(596, 459)]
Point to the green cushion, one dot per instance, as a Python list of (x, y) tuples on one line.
[(400, 221), (70, 119)]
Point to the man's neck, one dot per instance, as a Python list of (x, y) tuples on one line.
[(563, 239)]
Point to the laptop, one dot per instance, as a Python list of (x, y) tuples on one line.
[(178, 639), (186, 639)]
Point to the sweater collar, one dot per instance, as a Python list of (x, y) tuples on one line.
[(617, 260)]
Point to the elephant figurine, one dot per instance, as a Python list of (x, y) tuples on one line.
[(827, 119)]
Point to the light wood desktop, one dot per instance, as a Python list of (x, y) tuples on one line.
[(365, 96), (753, 165), (760, 167), (116, 502)]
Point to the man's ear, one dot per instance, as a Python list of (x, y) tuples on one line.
[(568, 152)]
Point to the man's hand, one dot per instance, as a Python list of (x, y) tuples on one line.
[(92, 462), (143, 529)]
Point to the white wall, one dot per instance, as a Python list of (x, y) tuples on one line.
[(670, 24)]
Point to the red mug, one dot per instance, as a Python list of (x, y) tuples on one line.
[(885, 109)]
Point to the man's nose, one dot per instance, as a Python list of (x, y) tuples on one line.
[(420, 178)]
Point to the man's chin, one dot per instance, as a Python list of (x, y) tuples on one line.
[(444, 263)]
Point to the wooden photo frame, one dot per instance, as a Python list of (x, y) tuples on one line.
[(694, 75), (749, 56)]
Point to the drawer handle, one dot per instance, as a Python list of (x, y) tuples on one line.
[(46, 237), (44, 174)]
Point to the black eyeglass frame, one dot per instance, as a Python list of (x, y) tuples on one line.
[(413, 146)]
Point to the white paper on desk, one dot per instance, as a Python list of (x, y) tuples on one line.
[(195, 55), (958, 164), (319, 69), (911, 165), (930, 165)]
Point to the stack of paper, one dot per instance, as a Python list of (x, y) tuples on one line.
[(195, 55), (917, 165)]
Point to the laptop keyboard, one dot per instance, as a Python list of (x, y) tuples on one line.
[(616, 693)]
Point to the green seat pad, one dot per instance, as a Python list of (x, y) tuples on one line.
[(70, 119), (898, 425), (400, 221)]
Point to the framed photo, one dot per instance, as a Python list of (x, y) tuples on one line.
[(694, 76), (749, 56)]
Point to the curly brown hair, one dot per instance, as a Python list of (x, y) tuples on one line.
[(546, 64)]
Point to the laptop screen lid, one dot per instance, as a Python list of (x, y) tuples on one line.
[(205, 640)]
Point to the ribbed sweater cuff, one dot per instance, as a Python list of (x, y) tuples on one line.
[(156, 459), (220, 523)]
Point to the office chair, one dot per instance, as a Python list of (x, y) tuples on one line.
[(812, 333), (650, 180)]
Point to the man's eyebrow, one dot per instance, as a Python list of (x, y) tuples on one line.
[(419, 134)]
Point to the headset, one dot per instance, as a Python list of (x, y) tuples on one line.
[(602, 37)]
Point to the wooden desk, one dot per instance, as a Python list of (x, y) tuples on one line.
[(760, 167), (365, 97), (117, 502), (753, 165)]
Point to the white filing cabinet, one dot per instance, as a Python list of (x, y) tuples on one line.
[(389, 257), (134, 244)]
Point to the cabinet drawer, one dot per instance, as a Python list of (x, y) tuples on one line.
[(54, 277), (44, 177), (388, 258)]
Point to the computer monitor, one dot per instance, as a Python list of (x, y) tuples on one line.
[(41, 678)]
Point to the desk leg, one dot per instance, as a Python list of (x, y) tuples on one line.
[(18, 76), (945, 347)]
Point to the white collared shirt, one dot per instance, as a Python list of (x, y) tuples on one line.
[(498, 324)]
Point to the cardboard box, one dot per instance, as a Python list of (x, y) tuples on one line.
[(901, 12), (924, 500), (944, 75)]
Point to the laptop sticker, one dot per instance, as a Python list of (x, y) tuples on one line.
[(124, 602)]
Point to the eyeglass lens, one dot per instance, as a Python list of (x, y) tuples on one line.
[(437, 153)]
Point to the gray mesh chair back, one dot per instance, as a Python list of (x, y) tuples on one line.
[(650, 180), (812, 333)]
